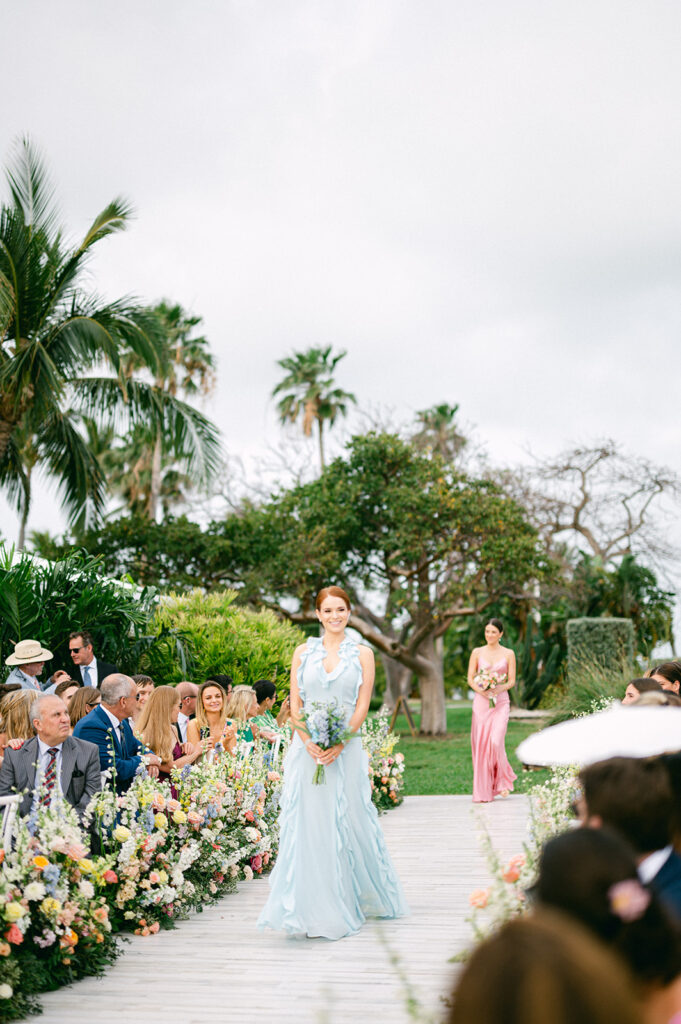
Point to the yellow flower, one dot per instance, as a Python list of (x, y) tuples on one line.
[(160, 820), (40, 862), (121, 833), (163, 877), (86, 866), (13, 911), (50, 906), (179, 817)]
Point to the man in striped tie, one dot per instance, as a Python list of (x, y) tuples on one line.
[(52, 763)]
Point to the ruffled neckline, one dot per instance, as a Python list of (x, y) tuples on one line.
[(347, 652)]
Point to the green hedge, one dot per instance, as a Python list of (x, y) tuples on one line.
[(223, 637), (604, 641)]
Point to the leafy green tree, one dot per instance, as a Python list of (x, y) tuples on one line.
[(61, 351), (417, 545), (308, 391)]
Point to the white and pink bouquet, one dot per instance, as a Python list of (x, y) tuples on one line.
[(325, 724), (487, 677)]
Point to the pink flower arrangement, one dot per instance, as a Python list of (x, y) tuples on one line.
[(478, 898)]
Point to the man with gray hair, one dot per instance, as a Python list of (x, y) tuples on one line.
[(52, 763), (107, 726)]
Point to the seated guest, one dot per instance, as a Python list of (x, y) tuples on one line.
[(226, 682), (82, 703), (543, 968), (663, 699), (211, 721), (108, 727), (66, 690), (242, 707), (90, 670), (266, 696), (155, 728), (634, 797), (668, 675), (66, 766), (638, 686), (590, 874), (145, 687), (28, 661), (187, 692), (15, 718)]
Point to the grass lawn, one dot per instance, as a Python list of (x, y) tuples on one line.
[(443, 765)]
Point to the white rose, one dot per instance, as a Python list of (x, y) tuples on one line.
[(248, 874), (86, 889), (6, 992), (34, 891)]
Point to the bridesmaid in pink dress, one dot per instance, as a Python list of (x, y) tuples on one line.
[(492, 774)]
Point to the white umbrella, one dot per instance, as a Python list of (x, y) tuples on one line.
[(620, 731)]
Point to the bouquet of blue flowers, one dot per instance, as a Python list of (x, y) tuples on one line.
[(325, 725)]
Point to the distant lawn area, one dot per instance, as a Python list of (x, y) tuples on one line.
[(443, 765)]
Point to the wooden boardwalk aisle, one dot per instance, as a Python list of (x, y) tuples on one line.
[(216, 966)]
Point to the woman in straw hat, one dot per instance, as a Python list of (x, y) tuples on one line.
[(27, 661)]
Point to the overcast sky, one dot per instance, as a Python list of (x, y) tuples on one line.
[(480, 201)]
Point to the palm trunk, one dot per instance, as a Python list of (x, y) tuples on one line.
[(6, 428), (320, 426), (155, 484), (25, 509)]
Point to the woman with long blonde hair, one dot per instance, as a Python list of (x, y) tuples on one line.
[(211, 723), (242, 707), (155, 727), (15, 719)]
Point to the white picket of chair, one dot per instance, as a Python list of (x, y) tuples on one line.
[(9, 805), (274, 750)]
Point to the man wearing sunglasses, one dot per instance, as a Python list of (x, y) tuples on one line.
[(89, 669)]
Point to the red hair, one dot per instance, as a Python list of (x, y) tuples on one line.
[(332, 592)]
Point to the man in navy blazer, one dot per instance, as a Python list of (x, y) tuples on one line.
[(634, 797), (75, 763), (108, 727)]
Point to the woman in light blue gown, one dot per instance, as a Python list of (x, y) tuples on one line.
[(333, 870)]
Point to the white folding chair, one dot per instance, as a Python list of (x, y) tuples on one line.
[(274, 750), (9, 805)]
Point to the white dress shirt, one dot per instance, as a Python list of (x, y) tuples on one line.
[(651, 864), (115, 722), (44, 760), (94, 674), (182, 723)]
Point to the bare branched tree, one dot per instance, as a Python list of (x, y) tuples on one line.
[(599, 499)]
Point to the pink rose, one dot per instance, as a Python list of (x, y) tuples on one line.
[(153, 928), (13, 935), (110, 876), (479, 898)]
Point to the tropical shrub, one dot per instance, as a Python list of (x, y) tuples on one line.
[(590, 687), (223, 637), (602, 641), (45, 601)]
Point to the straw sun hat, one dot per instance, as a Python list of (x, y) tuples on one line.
[(27, 651)]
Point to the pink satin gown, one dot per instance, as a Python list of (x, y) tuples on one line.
[(491, 771)]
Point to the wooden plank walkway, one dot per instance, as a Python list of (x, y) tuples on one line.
[(216, 966)]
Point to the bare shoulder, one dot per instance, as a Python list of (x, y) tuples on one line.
[(366, 654), (510, 654), (299, 650)]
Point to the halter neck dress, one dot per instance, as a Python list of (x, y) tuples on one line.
[(333, 870), (492, 772)]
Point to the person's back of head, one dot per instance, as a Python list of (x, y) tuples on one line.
[(661, 699), (543, 969), (264, 690), (17, 721), (634, 797), (591, 875), (84, 700)]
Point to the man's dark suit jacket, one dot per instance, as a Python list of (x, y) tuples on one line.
[(97, 728), (104, 669), (80, 772), (667, 884)]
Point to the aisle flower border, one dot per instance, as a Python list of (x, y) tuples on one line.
[(162, 850)]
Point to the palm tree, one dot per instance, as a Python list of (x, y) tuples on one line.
[(163, 461), (61, 348), (438, 433), (308, 390)]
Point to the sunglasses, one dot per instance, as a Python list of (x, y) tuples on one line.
[(74, 650)]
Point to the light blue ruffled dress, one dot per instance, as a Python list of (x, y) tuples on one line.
[(333, 870)]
